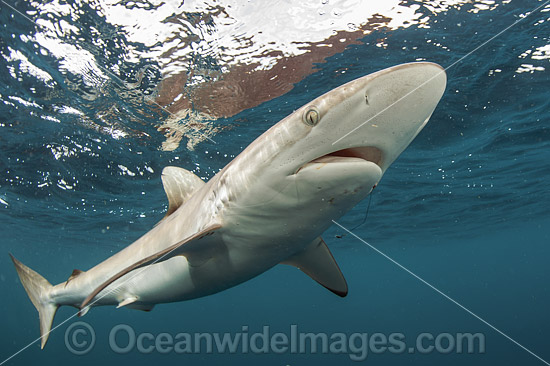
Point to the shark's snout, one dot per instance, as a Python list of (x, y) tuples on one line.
[(373, 118), (380, 114)]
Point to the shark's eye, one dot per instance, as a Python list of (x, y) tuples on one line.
[(311, 116)]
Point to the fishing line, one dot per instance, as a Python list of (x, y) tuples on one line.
[(364, 220)]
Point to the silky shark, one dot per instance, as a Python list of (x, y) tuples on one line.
[(268, 206)]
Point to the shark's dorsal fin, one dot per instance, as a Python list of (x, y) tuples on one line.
[(317, 262), (179, 184), (76, 273), (171, 251)]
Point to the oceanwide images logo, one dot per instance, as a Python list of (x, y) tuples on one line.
[(80, 338)]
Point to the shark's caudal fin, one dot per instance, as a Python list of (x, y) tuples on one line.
[(38, 289)]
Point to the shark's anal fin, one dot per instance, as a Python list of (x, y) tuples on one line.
[(317, 262), (142, 307), (161, 256), (179, 184), (76, 273)]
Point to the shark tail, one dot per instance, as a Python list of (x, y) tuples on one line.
[(38, 289)]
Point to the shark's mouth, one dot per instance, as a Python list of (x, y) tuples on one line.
[(367, 153)]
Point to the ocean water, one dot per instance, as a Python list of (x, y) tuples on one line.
[(97, 97)]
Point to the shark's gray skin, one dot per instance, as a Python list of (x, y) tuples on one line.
[(268, 206)]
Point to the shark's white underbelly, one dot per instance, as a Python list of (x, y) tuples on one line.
[(177, 279)]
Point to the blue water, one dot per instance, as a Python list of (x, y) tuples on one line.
[(465, 207)]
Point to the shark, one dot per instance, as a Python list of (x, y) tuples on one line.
[(268, 206)]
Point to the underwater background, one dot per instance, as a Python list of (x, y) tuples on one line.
[(97, 97)]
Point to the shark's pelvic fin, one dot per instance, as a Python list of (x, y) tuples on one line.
[(127, 301), (317, 262), (83, 311), (38, 289), (161, 256), (179, 184)]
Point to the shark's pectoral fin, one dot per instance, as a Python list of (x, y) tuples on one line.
[(179, 184), (171, 251), (317, 262)]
